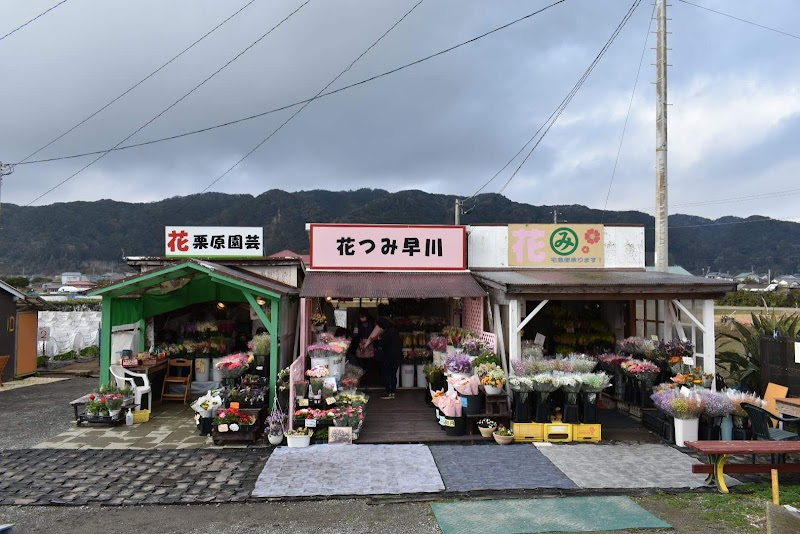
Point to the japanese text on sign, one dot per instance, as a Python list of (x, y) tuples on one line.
[(556, 246), (388, 247), (214, 241)]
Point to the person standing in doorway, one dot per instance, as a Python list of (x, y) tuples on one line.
[(390, 348)]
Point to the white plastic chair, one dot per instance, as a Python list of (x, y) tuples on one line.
[(137, 381)]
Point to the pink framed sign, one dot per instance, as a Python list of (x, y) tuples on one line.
[(386, 247)]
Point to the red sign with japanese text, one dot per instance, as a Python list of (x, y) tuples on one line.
[(388, 247)]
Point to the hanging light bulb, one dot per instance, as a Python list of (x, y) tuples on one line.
[(220, 305), (260, 301)]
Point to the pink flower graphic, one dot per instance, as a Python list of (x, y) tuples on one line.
[(585, 249), (592, 236)]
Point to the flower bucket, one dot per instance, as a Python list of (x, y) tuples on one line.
[(422, 382), (216, 374), (317, 361), (201, 369), (726, 428), (455, 426), (472, 404), (439, 358), (407, 375), (493, 390), (686, 430), (298, 441)]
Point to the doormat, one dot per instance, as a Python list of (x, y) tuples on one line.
[(321, 470), (524, 516)]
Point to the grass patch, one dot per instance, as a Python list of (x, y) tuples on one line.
[(742, 510)]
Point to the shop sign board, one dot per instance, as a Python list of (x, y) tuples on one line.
[(214, 241), (556, 246), (376, 247)]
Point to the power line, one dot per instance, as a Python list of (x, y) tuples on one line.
[(557, 113), (140, 82), (104, 154), (760, 196), (742, 20), (628, 114), (276, 130), (43, 13), (585, 74), (299, 102)]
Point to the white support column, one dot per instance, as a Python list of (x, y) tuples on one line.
[(664, 314), (709, 343), (532, 314), (514, 345), (676, 322)]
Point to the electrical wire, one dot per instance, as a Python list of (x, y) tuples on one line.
[(787, 34), (760, 196), (304, 106), (140, 82), (104, 154), (580, 81), (628, 114), (43, 13), (564, 103), (299, 102)]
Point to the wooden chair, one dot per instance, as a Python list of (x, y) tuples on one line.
[(774, 391), (179, 371), (3, 362)]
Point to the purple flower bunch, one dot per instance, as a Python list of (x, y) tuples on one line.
[(716, 404), (458, 363)]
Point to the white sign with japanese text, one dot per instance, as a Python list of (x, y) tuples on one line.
[(388, 247), (214, 242)]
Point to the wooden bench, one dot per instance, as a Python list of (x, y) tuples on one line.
[(718, 451)]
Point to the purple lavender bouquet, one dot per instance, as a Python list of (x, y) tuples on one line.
[(458, 363)]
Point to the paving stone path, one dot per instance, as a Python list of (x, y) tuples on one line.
[(70, 477)]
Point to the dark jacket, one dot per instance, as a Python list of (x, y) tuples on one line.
[(391, 342)]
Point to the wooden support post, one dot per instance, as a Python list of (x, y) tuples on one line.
[(775, 491)]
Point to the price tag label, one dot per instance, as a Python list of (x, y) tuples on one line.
[(302, 402), (311, 423), (330, 400), (654, 338)]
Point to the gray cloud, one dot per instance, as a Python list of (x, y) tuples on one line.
[(444, 126)]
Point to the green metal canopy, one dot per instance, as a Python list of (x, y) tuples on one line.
[(140, 297)]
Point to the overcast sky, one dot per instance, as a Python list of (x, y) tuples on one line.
[(443, 126)]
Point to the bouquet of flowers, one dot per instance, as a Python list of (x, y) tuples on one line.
[(570, 383), (594, 382), (352, 416), (716, 404), (484, 369), (320, 371), (438, 344), (738, 397), (458, 363), (96, 406), (465, 385), (234, 365), (641, 369), (207, 405), (496, 377), (276, 422), (232, 419), (472, 346), (260, 344)]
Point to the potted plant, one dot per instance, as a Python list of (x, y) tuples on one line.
[(300, 437), (494, 381), (458, 365), (503, 435), (487, 427), (114, 403)]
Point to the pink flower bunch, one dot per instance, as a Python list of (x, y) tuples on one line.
[(638, 367), (438, 343), (613, 359), (320, 371), (234, 362)]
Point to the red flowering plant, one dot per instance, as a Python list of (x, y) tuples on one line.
[(352, 416), (96, 406), (231, 416)]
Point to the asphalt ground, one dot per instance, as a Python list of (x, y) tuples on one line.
[(31, 415)]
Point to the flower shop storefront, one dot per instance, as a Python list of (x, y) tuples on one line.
[(146, 307), (563, 296), (423, 288)]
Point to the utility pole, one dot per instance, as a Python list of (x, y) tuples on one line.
[(555, 216), (458, 212), (5, 170), (662, 215)]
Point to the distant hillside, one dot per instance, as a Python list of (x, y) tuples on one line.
[(72, 235)]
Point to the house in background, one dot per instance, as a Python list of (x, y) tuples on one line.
[(18, 330), (68, 278)]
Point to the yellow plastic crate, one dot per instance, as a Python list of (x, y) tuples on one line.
[(558, 432), (141, 416), (586, 432), (528, 432)]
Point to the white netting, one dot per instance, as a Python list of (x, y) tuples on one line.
[(74, 330)]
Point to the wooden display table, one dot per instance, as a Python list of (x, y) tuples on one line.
[(789, 406)]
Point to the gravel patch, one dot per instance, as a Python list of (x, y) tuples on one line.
[(34, 414)]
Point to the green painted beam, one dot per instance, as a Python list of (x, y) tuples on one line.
[(145, 280), (270, 325), (105, 340)]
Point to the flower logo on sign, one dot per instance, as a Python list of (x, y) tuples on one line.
[(585, 249), (592, 236)]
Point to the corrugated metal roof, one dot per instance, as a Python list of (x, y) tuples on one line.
[(375, 285), (587, 282)]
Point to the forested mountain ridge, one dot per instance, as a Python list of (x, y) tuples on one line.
[(70, 235)]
